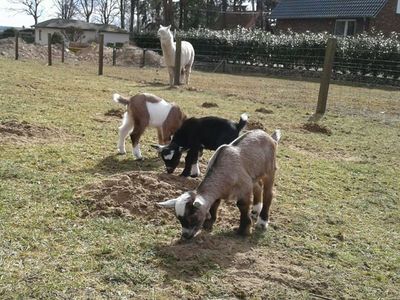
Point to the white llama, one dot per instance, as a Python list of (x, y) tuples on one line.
[(169, 47)]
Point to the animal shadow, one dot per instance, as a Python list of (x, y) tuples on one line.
[(186, 260), (117, 163)]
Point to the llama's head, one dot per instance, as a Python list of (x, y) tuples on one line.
[(165, 33), (191, 212), (170, 154)]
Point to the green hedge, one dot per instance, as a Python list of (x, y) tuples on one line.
[(375, 54)]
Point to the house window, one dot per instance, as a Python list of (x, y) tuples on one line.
[(398, 7), (345, 27), (40, 34)]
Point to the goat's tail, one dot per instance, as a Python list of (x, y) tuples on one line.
[(119, 99), (242, 122), (277, 135)]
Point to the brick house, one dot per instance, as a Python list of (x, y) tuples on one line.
[(340, 17)]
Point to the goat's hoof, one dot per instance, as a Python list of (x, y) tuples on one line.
[(139, 159), (121, 152), (194, 175), (242, 232), (261, 225), (184, 174), (208, 225), (254, 216)]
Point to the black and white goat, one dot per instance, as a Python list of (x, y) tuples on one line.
[(145, 110), (236, 171), (197, 134)]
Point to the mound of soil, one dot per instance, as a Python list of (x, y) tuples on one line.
[(251, 125), (118, 113), (264, 110), (136, 194), (209, 104), (127, 56), (315, 127), (25, 132)]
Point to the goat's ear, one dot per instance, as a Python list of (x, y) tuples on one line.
[(160, 26), (168, 203), (169, 26), (180, 149), (157, 147)]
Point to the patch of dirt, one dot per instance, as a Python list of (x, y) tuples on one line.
[(128, 55), (251, 125), (315, 127), (118, 113), (136, 194), (209, 104), (15, 131), (264, 110)]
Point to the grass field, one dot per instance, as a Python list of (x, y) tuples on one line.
[(335, 227)]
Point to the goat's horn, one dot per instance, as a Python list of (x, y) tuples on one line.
[(199, 202)]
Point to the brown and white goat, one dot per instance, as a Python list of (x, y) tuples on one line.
[(237, 171), (145, 110)]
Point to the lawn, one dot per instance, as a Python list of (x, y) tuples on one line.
[(335, 218)]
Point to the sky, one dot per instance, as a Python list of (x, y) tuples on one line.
[(14, 19)]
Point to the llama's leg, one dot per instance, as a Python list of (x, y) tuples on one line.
[(263, 219), (188, 70), (182, 78), (208, 223), (124, 129), (245, 221), (257, 204), (135, 137), (171, 76)]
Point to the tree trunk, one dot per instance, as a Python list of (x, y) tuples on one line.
[(133, 2), (122, 11)]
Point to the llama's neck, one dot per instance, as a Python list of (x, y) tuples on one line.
[(168, 48)]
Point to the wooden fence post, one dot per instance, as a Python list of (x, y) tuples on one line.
[(101, 51), (325, 78), (177, 75), (144, 57), (114, 54), (49, 49), (62, 51), (16, 45)]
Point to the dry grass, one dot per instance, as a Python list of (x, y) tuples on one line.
[(335, 221)]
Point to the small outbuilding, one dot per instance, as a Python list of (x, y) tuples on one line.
[(339, 17), (88, 32)]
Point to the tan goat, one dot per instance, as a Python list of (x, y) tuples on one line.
[(237, 171)]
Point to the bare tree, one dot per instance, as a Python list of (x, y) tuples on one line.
[(132, 14), (29, 7), (122, 12), (86, 8), (66, 9), (107, 11)]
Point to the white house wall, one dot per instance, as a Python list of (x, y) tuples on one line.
[(88, 36), (112, 37)]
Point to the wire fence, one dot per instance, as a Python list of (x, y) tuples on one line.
[(354, 65)]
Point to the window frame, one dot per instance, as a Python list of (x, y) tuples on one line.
[(346, 26)]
